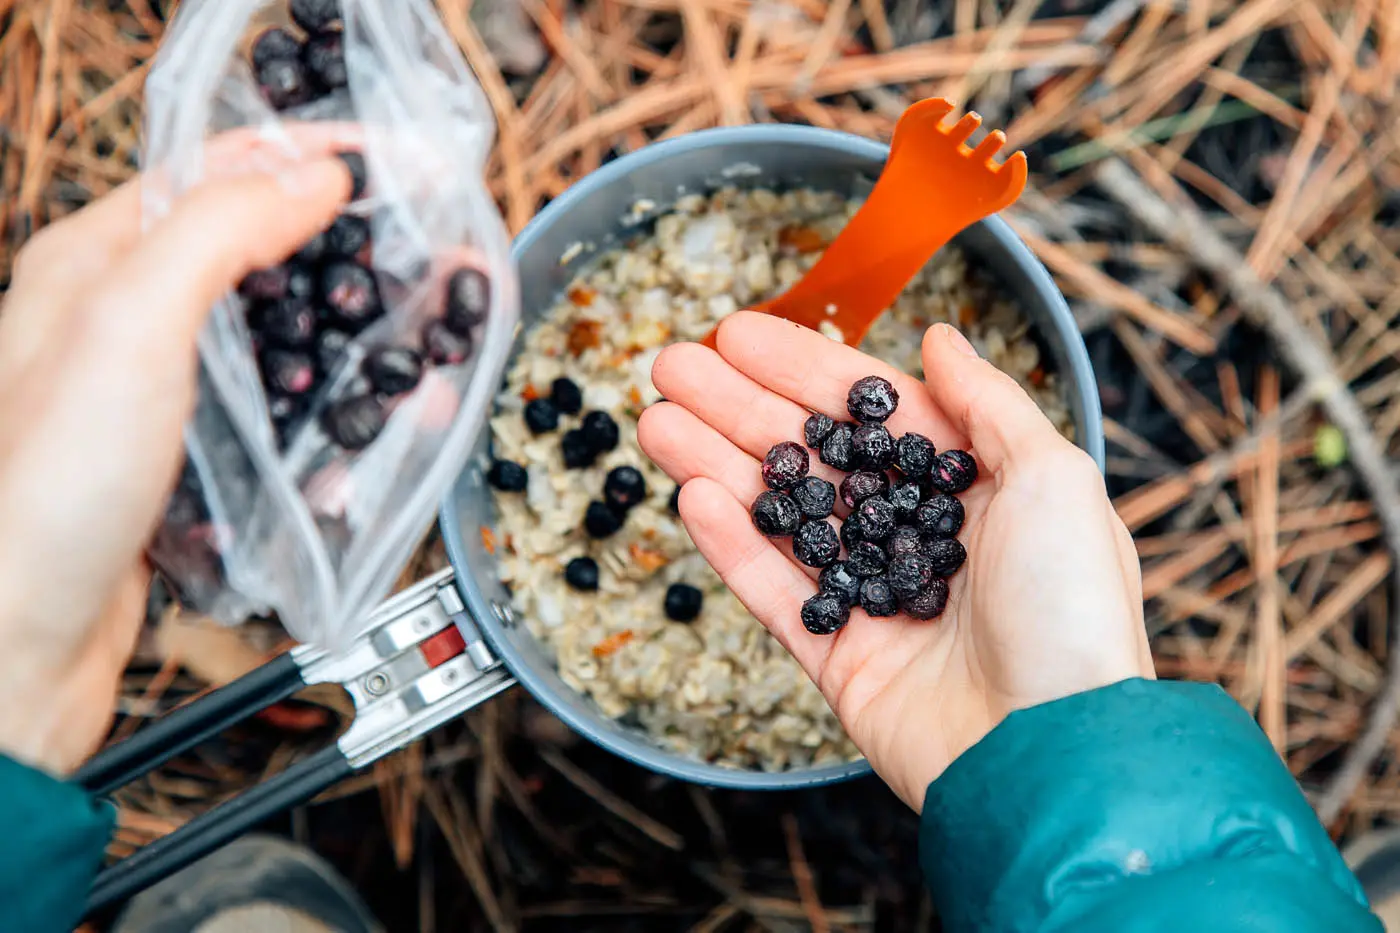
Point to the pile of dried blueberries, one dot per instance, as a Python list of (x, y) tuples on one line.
[(304, 314), (900, 535), (291, 71)]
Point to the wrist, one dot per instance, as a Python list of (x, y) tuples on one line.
[(53, 720)]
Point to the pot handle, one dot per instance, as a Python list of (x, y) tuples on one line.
[(420, 662), (186, 726)]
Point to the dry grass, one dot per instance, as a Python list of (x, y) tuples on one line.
[(1214, 189)]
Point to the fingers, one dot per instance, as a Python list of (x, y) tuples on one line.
[(89, 238), (765, 580), (686, 447), (149, 308), (750, 416), (1002, 423), (734, 405), (816, 372)]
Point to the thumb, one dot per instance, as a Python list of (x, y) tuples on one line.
[(991, 410), (153, 303)]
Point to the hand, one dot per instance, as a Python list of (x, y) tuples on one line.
[(97, 378), (1048, 604)]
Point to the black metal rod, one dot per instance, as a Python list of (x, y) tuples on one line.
[(184, 728), (209, 831)]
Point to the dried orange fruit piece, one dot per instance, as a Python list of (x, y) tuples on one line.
[(649, 560), (585, 335), (802, 239), (613, 642)]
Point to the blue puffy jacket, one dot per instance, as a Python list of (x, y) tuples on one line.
[(1144, 806)]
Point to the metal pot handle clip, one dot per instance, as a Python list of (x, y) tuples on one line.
[(420, 662)]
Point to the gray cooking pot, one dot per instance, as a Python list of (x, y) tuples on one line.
[(597, 212)]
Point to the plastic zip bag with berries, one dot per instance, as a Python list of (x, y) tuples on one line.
[(340, 391)]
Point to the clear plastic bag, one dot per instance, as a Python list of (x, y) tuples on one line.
[(307, 486)]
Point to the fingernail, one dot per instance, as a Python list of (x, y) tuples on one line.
[(308, 178), (958, 342)]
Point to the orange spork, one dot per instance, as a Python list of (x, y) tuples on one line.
[(933, 186)]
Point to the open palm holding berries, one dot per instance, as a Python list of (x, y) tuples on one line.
[(927, 602)]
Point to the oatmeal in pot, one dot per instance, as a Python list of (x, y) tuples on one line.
[(600, 568)]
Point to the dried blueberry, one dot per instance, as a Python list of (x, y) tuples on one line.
[(675, 504), (286, 411), (904, 540), (817, 429), (775, 514), (443, 347), (939, 517), (601, 431), (354, 422), (359, 175), (268, 284), (814, 496), (290, 324), (914, 455), (905, 498), (816, 544), (275, 43), (566, 396), (600, 521), (349, 293), (825, 614), (284, 83), (507, 476), (325, 59), (287, 323), (909, 575), (837, 450), (928, 603), (875, 516), (288, 372), (624, 488), (582, 574), (839, 580), (347, 235), (315, 15), (945, 555), (468, 299), (683, 602), (850, 535), (331, 347), (541, 416), (301, 282), (313, 250), (867, 559), (872, 400), (877, 599), (874, 447), (954, 471), (785, 465), (861, 485), (393, 370), (578, 453)]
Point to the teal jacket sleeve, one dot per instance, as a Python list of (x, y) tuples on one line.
[(1141, 806), (54, 837)]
